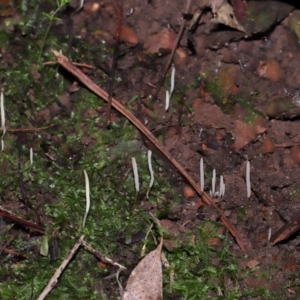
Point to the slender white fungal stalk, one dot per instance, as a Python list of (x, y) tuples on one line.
[(248, 183), (167, 100), (269, 234), (172, 80), (220, 190), (213, 182), (2, 110), (31, 156), (87, 197), (2, 118), (150, 168), (136, 175), (200, 133), (222, 186), (201, 175), (151, 173), (80, 6), (241, 65)]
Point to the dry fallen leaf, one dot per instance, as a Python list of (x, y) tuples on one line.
[(245, 133), (252, 263), (165, 39), (225, 15), (269, 69), (145, 281), (128, 36), (216, 5)]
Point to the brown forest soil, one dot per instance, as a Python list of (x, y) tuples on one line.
[(255, 71), (245, 107)]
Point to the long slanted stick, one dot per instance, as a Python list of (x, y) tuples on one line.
[(65, 63)]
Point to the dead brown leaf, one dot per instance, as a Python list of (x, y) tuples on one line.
[(165, 39), (145, 281), (252, 263), (224, 14), (128, 35), (246, 133)]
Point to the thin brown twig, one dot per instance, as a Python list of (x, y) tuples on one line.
[(28, 129), (17, 219), (101, 256), (64, 62), (182, 27), (119, 11), (53, 281), (79, 65), (13, 252), (3, 249), (285, 145)]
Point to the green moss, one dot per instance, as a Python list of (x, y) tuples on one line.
[(54, 184), (200, 270), (241, 213), (251, 114), (56, 187), (214, 87), (294, 193)]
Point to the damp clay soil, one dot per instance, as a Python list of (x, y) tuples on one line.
[(236, 99)]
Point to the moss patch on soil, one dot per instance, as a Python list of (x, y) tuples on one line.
[(51, 190)]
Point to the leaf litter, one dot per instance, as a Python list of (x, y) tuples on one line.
[(145, 281)]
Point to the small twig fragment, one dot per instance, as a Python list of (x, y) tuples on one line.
[(53, 281), (101, 256), (181, 30), (17, 219), (119, 11), (28, 129)]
